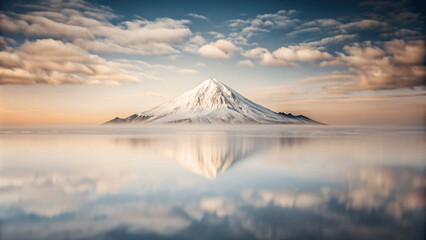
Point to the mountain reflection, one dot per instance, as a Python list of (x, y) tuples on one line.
[(206, 155), (277, 186)]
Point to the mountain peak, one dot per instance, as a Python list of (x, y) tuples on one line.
[(209, 81), (211, 102), (212, 82)]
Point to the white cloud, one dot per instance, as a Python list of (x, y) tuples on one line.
[(89, 26), (285, 56), (281, 19), (43, 26), (194, 44), (246, 63), (255, 53), (322, 23), (269, 59), (399, 64), (151, 71), (367, 24), (221, 49), (54, 62), (216, 34), (194, 15), (247, 28), (199, 40), (305, 30), (212, 52), (300, 53), (332, 40), (265, 57), (187, 71)]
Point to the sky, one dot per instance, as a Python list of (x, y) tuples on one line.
[(338, 62)]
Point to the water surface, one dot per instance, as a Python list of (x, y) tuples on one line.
[(226, 182)]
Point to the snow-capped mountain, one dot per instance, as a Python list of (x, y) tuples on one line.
[(212, 102)]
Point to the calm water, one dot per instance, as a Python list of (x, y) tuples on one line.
[(255, 182)]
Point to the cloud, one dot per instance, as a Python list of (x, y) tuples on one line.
[(406, 53), (269, 59), (327, 22), (216, 34), (305, 30), (54, 62), (194, 15), (399, 64), (3, 43), (300, 53), (377, 23), (194, 44), (187, 71), (90, 27), (247, 28), (138, 37), (265, 57), (234, 23), (42, 26), (280, 19), (221, 49), (150, 71), (285, 56), (255, 53), (247, 63), (403, 33), (368, 24), (332, 40)]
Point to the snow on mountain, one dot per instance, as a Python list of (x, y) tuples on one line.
[(212, 102)]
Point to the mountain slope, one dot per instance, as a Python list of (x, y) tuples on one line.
[(212, 102)]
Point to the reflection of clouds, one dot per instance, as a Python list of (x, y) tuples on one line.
[(393, 189), (396, 190), (94, 221), (49, 194), (361, 209), (206, 155), (323, 213), (137, 215), (220, 206), (288, 199)]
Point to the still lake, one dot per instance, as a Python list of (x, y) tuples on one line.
[(205, 182)]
